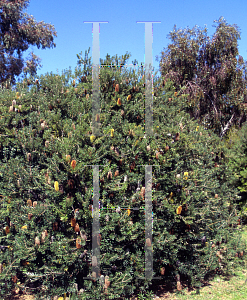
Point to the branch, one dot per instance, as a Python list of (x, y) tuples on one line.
[(227, 126)]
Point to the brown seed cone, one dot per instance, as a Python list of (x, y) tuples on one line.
[(7, 229), (117, 88), (177, 137), (35, 203), (55, 226), (78, 243), (162, 271), (116, 173), (29, 202), (30, 216), (142, 193), (73, 222), (77, 228)]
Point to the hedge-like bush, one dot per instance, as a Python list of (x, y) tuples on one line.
[(46, 188)]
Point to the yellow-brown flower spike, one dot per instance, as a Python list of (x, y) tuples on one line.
[(73, 83), (73, 164), (73, 222), (68, 157), (7, 231), (117, 88), (175, 94), (29, 202), (92, 138), (129, 97), (186, 174), (56, 186), (77, 228), (179, 210), (78, 243), (112, 132), (119, 102), (128, 211)]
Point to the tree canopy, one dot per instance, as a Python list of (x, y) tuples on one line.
[(211, 72), (18, 31)]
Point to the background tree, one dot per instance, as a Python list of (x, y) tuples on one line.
[(210, 73), (18, 31)]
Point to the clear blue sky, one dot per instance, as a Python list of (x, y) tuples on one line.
[(122, 33)]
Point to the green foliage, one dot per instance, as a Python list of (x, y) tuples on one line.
[(18, 31), (236, 142), (211, 72), (194, 209)]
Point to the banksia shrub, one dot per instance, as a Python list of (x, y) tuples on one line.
[(187, 218)]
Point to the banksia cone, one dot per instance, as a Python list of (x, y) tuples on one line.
[(92, 138), (112, 132), (109, 175), (73, 83), (55, 226), (142, 193), (56, 186), (176, 137), (46, 144), (128, 211), (117, 151), (44, 235), (122, 112), (162, 271), (77, 228), (148, 148), (29, 202), (119, 102), (107, 282), (68, 157), (37, 241), (73, 222), (30, 216), (78, 243), (35, 203), (129, 97), (179, 209), (11, 108), (29, 157), (1, 268), (117, 88), (7, 231), (116, 173), (73, 164)]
